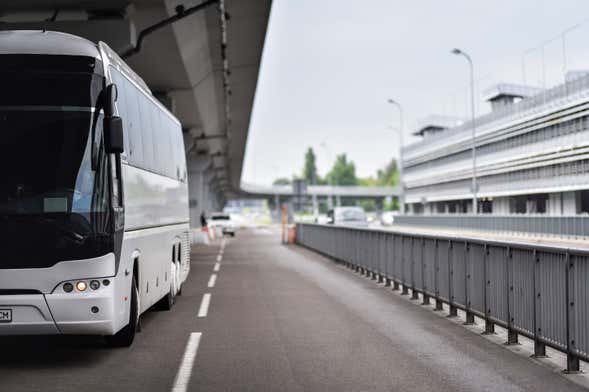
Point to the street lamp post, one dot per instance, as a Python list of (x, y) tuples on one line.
[(400, 163), (473, 126)]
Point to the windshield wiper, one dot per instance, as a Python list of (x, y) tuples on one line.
[(77, 237)]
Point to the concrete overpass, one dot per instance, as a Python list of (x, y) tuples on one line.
[(323, 190), (318, 192), (204, 67)]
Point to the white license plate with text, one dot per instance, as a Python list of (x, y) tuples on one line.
[(5, 315)]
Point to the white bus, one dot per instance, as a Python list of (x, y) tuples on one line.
[(93, 191)]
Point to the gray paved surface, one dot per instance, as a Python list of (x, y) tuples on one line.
[(280, 319)]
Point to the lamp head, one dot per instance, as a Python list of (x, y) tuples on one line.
[(456, 51)]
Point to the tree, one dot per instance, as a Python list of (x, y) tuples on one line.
[(368, 205), (310, 168), (343, 172), (281, 181), (389, 176)]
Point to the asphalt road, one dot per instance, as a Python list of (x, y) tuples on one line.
[(279, 319)]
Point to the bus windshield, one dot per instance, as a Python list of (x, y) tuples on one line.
[(45, 163), (53, 203)]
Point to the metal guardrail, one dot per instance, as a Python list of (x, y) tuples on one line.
[(537, 291), (558, 226)]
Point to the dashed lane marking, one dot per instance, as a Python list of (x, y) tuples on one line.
[(204, 305), (185, 370), (216, 267), (212, 280)]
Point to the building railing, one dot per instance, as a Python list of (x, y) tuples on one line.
[(541, 292), (531, 225)]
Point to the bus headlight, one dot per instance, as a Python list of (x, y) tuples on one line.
[(94, 284), (68, 287), (81, 286)]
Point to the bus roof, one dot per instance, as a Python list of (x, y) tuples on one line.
[(46, 42)]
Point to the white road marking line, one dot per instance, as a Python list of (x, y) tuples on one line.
[(204, 305), (216, 267), (185, 369), (219, 258), (212, 280)]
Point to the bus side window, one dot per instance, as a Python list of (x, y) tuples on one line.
[(160, 155), (147, 133), (178, 145), (167, 138), (134, 122)]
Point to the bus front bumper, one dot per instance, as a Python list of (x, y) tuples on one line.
[(89, 313), (33, 301)]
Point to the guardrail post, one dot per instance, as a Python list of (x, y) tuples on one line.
[(467, 275), (403, 261), (395, 263), (414, 292), (539, 347), (453, 308), (512, 336), (439, 303), (381, 244), (366, 256), (573, 365), (426, 300), (385, 259), (489, 326)]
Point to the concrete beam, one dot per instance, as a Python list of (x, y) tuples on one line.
[(119, 34)]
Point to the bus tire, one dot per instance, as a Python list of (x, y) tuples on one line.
[(125, 337), (167, 302)]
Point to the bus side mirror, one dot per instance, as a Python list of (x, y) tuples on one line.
[(113, 135)]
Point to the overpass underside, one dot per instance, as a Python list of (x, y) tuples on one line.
[(204, 67)]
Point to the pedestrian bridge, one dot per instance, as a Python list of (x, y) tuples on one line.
[(323, 190)]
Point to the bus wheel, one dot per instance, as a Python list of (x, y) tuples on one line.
[(125, 337), (167, 302)]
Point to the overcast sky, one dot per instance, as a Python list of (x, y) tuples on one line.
[(330, 65)]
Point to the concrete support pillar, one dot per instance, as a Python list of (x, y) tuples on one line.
[(212, 204), (315, 205), (197, 187)]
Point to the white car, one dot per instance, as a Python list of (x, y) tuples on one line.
[(348, 216), (322, 219), (223, 222), (387, 218)]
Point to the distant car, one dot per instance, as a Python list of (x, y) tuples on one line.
[(223, 222), (322, 219), (349, 216), (387, 218)]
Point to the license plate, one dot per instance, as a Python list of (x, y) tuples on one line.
[(5, 315)]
